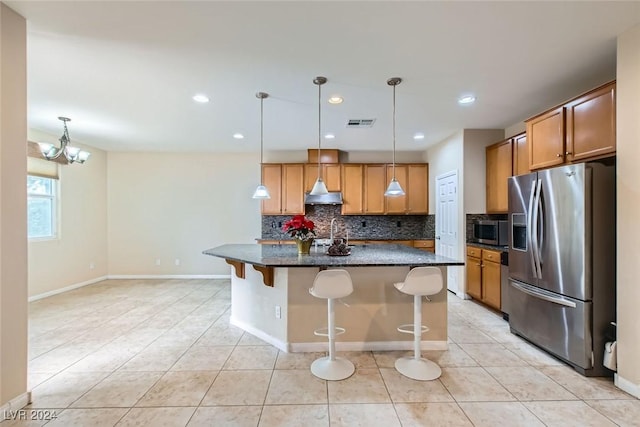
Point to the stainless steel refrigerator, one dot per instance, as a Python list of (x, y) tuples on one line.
[(562, 261)]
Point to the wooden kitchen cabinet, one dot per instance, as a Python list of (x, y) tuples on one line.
[(374, 187), (520, 155), (331, 175), (545, 134), (285, 184), (272, 179), (491, 278), (581, 129), (499, 168), (483, 276), (352, 189), (418, 191), (413, 179), (428, 245), (397, 205), (474, 274), (591, 124)]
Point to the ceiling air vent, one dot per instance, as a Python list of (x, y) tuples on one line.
[(360, 123)]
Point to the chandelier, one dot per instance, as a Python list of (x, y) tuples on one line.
[(72, 154)]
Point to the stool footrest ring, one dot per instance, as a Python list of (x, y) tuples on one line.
[(409, 329), (324, 332)]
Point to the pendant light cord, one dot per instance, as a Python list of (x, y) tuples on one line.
[(394, 132), (261, 128), (319, 131)]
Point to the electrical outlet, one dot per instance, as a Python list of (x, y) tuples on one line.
[(273, 224), (157, 261), (177, 261), (278, 312), (364, 223), (279, 224), (92, 265), (399, 224)]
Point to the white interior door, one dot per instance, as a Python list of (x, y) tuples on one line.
[(447, 223)]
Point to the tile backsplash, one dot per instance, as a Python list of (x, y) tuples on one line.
[(360, 227)]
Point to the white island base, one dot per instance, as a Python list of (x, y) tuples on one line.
[(286, 315)]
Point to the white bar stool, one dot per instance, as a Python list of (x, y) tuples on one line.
[(331, 284), (420, 281)]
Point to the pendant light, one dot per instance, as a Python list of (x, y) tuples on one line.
[(319, 188), (394, 189), (261, 191)]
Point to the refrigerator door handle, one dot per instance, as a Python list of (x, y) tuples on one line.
[(536, 293), (540, 235), (535, 248), (531, 248)]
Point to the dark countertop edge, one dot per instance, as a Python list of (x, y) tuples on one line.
[(434, 264), (491, 247), (257, 239), (336, 263)]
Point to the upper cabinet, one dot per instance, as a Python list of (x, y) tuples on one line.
[(374, 187), (591, 124), (331, 175), (413, 179), (499, 168), (352, 189), (285, 184), (362, 187), (546, 139), (520, 154), (579, 130)]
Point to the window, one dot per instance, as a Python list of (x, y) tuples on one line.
[(41, 207)]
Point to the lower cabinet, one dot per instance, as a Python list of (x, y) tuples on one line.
[(483, 276)]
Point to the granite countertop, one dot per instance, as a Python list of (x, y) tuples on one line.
[(383, 255), (492, 247)]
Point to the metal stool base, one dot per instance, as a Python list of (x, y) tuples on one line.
[(332, 370), (418, 369)]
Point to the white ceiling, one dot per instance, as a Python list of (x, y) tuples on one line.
[(125, 72)]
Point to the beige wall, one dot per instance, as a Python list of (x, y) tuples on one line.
[(444, 157), (170, 206), (475, 189), (514, 129), (13, 202), (628, 199), (82, 240)]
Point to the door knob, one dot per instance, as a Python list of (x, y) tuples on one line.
[(437, 237)]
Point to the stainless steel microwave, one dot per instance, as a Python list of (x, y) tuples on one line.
[(491, 232)]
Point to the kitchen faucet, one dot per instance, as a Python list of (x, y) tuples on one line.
[(333, 221)]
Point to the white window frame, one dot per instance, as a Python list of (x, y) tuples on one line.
[(54, 197)]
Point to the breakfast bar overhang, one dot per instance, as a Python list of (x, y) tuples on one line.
[(270, 296)]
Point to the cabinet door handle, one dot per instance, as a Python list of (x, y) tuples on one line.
[(559, 155), (568, 153)]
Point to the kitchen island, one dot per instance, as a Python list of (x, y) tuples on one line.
[(270, 296)]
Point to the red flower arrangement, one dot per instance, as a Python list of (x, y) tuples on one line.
[(300, 228)]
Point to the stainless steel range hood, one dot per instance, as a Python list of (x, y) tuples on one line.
[(331, 198)]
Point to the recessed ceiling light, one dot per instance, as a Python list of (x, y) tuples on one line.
[(238, 136), (329, 136), (201, 98), (466, 99), (418, 136), (335, 99)]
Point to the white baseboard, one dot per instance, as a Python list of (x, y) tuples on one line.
[(367, 346), (10, 410), (67, 288), (128, 276), (168, 276), (279, 344), (626, 385)]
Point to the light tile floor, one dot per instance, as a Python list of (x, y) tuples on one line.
[(162, 353)]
